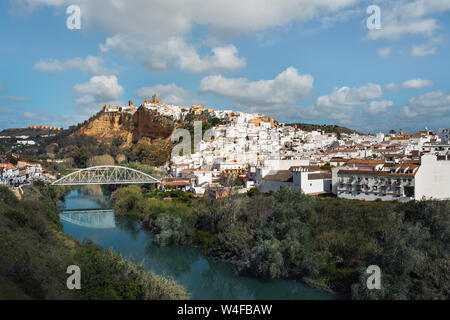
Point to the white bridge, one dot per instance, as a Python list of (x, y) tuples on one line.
[(105, 175)]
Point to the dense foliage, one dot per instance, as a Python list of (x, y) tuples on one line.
[(325, 241), (35, 254), (324, 127)]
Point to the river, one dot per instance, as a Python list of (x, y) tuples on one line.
[(202, 276)]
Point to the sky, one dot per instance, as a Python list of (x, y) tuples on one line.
[(322, 61)]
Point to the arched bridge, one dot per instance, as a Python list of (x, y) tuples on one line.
[(105, 175)]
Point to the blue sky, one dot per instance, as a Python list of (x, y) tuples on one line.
[(294, 60)]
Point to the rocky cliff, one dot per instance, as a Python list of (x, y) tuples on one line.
[(143, 125)]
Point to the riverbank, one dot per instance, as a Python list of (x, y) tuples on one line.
[(35, 254), (328, 242)]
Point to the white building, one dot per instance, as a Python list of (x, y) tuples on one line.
[(433, 178), (309, 179), (444, 135), (410, 180)]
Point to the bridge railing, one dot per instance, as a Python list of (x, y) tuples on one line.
[(106, 175)]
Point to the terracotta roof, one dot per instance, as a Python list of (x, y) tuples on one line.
[(7, 165), (177, 183), (394, 155), (361, 161), (319, 176), (281, 175), (399, 138)]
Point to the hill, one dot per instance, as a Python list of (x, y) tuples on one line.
[(14, 132), (324, 127), (143, 136)]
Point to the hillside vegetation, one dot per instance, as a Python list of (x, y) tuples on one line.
[(324, 127), (35, 254)]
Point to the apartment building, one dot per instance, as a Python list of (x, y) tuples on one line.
[(428, 178)]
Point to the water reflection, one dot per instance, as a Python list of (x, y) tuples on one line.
[(180, 263), (86, 198), (90, 219), (129, 226)]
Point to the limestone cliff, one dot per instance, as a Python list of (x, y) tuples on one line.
[(107, 126), (143, 126)]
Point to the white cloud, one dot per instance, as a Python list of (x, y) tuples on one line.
[(139, 29), (426, 49), (223, 59), (99, 90), (90, 64), (166, 18), (11, 99), (329, 21), (174, 53), (262, 95), (422, 50), (429, 105), (384, 52), (342, 102), (391, 87), (379, 108), (341, 105), (170, 93), (49, 66), (402, 18), (416, 84)]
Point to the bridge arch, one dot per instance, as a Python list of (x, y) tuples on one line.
[(105, 175)]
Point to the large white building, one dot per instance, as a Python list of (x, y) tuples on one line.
[(444, 135), (433, 178), (428, 178)]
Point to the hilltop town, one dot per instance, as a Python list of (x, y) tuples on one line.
[(269, 155)]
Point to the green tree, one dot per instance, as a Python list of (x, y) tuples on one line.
[(103, 160), (126, 200), (81, 158)]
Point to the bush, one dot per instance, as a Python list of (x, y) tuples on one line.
[(171, 230), (16, 216), (126, 199), (7, 196), (106, 275)]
